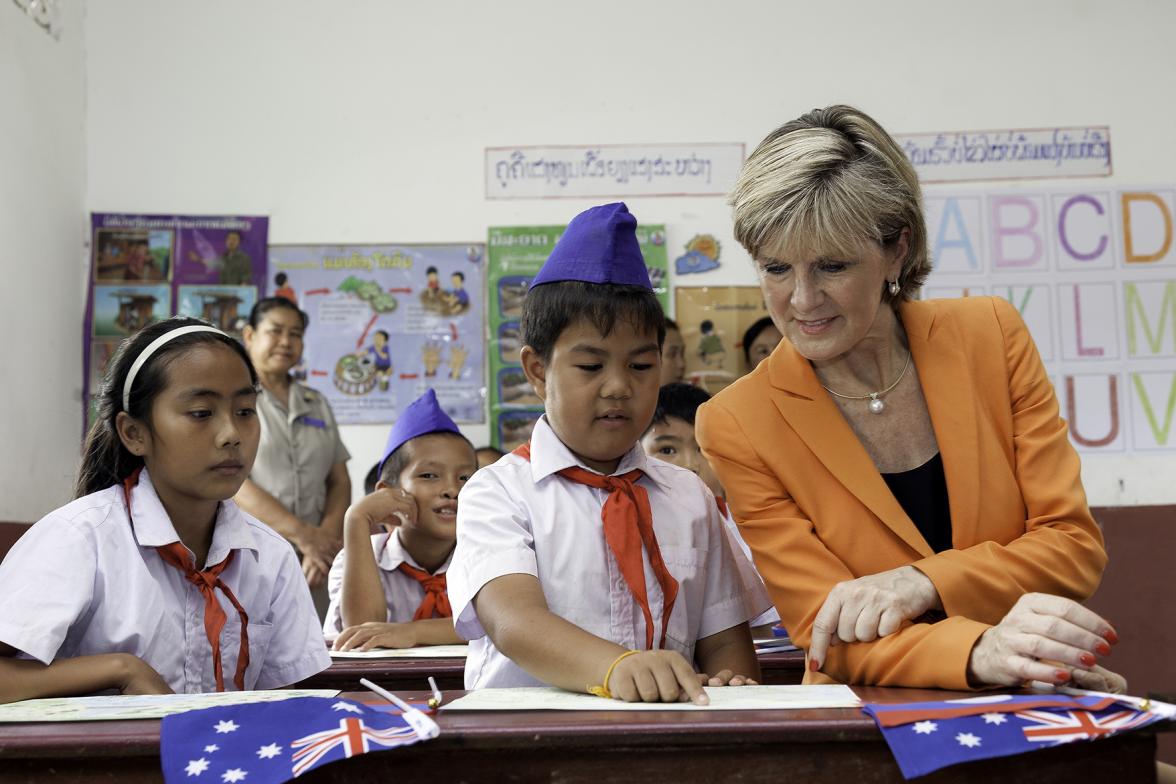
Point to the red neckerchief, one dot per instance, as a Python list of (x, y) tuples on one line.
[(628, 524), (435, 603), (206, 582)]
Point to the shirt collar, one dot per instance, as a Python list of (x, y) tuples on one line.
[(549, 455), (392, 554), (153, 527), (299, 402), (302, 400)]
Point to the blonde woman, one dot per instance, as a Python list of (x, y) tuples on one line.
[(898, 467)]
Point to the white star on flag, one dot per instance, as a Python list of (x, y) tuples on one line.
[(994, 718), (196, 767), (233, 774), (346, 706), (967, 739), (272, 750), (925, 727), (211, 748), (225, 725)]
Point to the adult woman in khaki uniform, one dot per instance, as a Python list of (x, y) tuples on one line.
[(299, 484)]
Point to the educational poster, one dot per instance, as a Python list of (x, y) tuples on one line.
[(388, 322), (1093, 273), (514, 256), (145, 268), (712, 320)]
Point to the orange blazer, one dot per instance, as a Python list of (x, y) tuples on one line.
[(816, 512)]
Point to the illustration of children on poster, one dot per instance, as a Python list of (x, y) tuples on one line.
[(388, 322), (712, 320)]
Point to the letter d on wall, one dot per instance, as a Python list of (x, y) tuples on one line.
[(1143, 224)]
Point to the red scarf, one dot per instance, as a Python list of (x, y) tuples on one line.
[(435, 603), (722, 504), (628, 524), (206, 582)]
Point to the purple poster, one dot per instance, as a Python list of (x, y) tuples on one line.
[(145, 268)]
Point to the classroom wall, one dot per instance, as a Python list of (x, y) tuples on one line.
[(42, 214), (366, 122)]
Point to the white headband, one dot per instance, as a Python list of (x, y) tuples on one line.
[(152, 347)]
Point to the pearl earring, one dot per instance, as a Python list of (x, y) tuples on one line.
[(894, 287)]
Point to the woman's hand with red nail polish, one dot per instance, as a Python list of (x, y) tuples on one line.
[(1039, 627)]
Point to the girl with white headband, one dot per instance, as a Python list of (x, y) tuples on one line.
[(152, 580)]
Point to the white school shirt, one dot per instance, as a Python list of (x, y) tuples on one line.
[(519, 517), (402, 593), (87, 580), (751, 576)]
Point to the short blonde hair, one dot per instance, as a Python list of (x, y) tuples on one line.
[(827, 182)]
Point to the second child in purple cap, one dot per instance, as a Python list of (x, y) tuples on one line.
[(388, 584), (580, 563)]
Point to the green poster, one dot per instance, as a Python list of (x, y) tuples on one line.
[(514, 255)]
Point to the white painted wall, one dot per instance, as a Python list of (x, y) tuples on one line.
[(42, 259), (365, 121)]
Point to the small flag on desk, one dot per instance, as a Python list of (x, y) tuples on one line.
[(265, 742), (927, 736)]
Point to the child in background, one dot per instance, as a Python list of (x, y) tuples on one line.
[(105, 593), (759, 341), (670, 437), (284, 290), (673, 355), (488, 455), (387, 585), (581, 563)]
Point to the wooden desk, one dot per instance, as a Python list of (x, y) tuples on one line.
[(839, 745), (779, 669)]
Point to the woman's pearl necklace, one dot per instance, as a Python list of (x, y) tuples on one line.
[(877, 405)]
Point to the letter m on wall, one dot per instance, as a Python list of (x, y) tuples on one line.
[(1151, 314)]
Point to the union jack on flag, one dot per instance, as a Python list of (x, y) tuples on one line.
[(1067, 726), (353, 736), (271, 742), (927, 736)]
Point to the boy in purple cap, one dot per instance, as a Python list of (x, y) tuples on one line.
[(387, 586), (580, 563)]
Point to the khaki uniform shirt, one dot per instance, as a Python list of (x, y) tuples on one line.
[(299, 444)]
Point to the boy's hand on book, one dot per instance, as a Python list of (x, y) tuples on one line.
[(656, 676), (725, 678), (367, 636)]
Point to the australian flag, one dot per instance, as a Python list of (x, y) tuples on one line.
[(927, 736), (267, 742)]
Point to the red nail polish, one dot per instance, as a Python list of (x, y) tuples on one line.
[(1061, 676), (814, 665), (1087, 659), (1112, 638), (1102, 649)]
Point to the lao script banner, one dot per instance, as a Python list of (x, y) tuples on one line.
[(1016, 154), (602, 170)]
